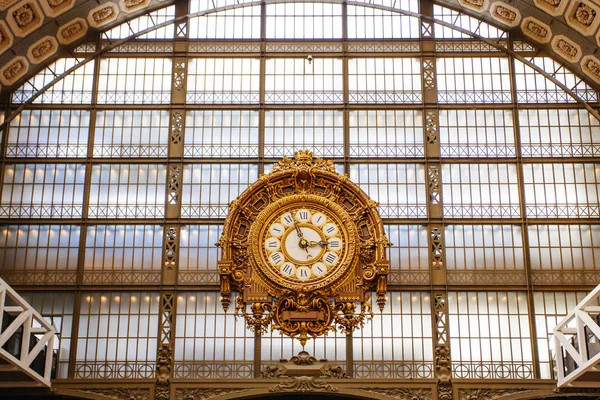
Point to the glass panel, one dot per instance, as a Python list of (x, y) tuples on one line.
[(198, 254), (489, 335), (384, 80), (386, 133), (209, 188), (57, 309), (396, 343), (144, 22), (463, 21), (399, 188), (135, 133), (238, 23), (409, 254), (75, 88), (39, 254), (484, 247), (223, 80), (480, 190), (304, 21), (565, 247), (42, 191), (117, 335), (476, 133), (287, 131), (120, 248), (372, 23), (571, 133), (210, 343), (298, 80), (49, 133), (473, 80), (533, 87), (122, 190), (221, 133), (561, 190), (135, 81)]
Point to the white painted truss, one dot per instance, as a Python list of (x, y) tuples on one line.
[(577, 344), (26, 342)]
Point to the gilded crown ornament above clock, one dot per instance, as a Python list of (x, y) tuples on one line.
[(304, 247)]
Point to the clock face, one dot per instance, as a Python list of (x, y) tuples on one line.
[(304, 244)]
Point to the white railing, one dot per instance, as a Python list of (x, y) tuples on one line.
[(26, 342), (577, 344)]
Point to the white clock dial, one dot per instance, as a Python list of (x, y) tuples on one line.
[(303, 273), (296, 252), (303, 215), (319, 269), (330, 229), (277, 229), (272, 244), (287, 268), (319, 219)]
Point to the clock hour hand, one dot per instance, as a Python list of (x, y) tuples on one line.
[(298, 231), (322, 243)]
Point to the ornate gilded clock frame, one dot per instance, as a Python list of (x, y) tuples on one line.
[(308, 309)]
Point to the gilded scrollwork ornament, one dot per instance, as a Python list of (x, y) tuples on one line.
[(303, 246)]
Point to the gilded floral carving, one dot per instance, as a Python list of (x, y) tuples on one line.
[(505, 14), (566, 48), (42, 49), (204, 393), (24, 17), (584, 14), (120, 393), (4, 4), (477, 5), (403, 393), (536, 30), (132, 5), (6, 38), (103, 14), (552, 7), (54, 8), (72, 31), (13, 70), (486, 394)]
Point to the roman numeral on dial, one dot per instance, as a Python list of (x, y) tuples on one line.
[(287, 219), (303, 273), (276, 258), (330, 229), (330, 258), (287, 269), (319, 269)]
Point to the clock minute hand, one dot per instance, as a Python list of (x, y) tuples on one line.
[(298, 231)]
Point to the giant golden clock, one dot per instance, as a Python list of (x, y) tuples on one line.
[(303, 246)]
